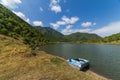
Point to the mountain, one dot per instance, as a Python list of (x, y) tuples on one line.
[(55, 36), (82, 37), (51, 34), (113, 38), (13, 26)]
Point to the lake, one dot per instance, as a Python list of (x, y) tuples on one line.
[(105, 59)]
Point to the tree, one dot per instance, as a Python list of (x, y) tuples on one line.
[(4, 31)]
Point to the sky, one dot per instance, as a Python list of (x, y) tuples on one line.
[(101, 17)]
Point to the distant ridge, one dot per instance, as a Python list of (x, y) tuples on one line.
[(55, 36), (51, 34), (84, 37), (113, 38)]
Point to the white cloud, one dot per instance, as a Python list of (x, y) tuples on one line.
[(61, 23), (65, 21), (71, 20), (55, 26), (88, 24), (11, 3), (56, 8), (41, 9), (108, 30), (68, 30), (54, 5), (21, 15), (104, 31), (38, 23)]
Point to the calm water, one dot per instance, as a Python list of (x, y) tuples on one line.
[(105, 59)]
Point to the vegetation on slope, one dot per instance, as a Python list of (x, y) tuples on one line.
[(83, 37), (13, 26), (11, 47), (115, 39), (55, 36), (15, 65), (51, 34)]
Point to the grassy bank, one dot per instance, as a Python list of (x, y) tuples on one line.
[(17, 62)]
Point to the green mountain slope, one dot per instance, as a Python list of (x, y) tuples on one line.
[(13, 26), (55, 36), (112, 38), (51, 34), (83, 37)]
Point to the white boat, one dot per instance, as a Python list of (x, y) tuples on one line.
[(81, 64)]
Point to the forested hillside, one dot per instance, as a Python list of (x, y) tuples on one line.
[(13, 26), (112, 38), (51, 34), (55, 36), (83, 37)]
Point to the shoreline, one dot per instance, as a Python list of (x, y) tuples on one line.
[(88, 72), (109, 43), (96, 75)]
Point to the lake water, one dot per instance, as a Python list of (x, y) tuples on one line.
[(105, 59)]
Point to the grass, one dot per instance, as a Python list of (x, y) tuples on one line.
[(14, 65), (56, 61)]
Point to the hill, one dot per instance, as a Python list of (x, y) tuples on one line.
[(55, 36), (83, 37), (13, 26), (18, 63), (51, 34), (113, 39)]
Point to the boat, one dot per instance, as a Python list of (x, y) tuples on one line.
[(79, 63)]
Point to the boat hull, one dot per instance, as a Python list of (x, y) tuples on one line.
[(79, 63)]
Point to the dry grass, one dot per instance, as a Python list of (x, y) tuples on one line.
[(12, 47), (15, 66), (115, 42)]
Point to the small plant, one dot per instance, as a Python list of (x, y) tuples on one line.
[(56, 61)]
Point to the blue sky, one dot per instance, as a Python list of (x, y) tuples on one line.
[(69, 16)]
